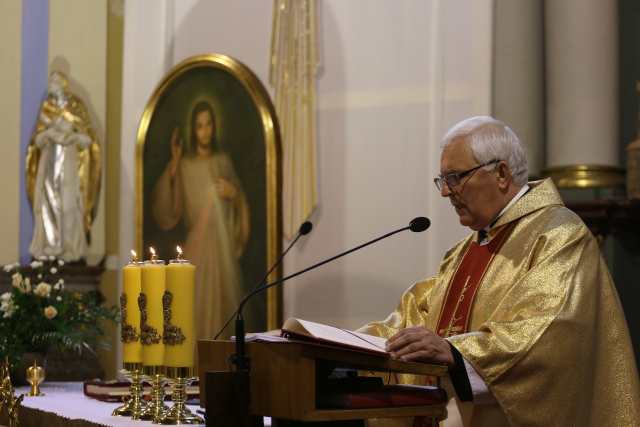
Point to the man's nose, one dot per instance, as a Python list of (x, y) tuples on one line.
[(445, 191)]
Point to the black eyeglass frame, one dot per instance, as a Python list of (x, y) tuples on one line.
[(454, 179)]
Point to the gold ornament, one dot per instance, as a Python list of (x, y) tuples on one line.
[(148, 334), (128, 332), (35, 376), (8, 398), (172, 335)]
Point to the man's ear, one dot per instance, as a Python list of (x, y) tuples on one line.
[(503, 174)]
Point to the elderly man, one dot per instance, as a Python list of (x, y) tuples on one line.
[(523, 310)]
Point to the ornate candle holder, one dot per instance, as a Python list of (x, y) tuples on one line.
[(135, 406), (179, 413), (156, 407), (8, 398), (35, 376)]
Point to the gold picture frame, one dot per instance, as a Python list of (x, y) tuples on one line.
[(246, 134)]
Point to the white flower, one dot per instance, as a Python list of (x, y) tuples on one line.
[(43, 290), (26, 288), (58, 298), (39, 276), (53, 270), (16, 280), (42, 258), (50, 312), (6, 305), (36, 264), (60, 262), (51, 257), (59, 285), (7, 268)]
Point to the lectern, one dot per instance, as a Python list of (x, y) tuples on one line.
[(283, 382)]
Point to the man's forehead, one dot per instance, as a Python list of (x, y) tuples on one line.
[(456, 155)]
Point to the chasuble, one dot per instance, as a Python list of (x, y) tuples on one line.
[(537, 316)]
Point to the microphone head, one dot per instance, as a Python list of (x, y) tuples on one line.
[(419, 224), (305, 228)]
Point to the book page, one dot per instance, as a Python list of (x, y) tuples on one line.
[(336, 335)]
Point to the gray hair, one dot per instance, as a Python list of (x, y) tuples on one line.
[(490, 139)]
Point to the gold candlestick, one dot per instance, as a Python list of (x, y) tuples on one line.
[(156, 407), (35, 376), (179, 413), (8, 398), (135, 405)]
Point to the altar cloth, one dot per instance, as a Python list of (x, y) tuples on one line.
[(65, 404)]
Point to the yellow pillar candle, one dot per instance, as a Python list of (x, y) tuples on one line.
[(131, 287), (150, 303), (179, 332)]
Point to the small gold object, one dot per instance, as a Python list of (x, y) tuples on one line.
[(8, 398), (35, 376), (179, 413), (135, 405)]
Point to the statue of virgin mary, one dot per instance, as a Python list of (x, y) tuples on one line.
[(63, 174)]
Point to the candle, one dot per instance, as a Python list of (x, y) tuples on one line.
[(131, 287), (150, 303), (179, 332)]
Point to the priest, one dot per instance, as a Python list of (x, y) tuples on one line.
[(523, 310)]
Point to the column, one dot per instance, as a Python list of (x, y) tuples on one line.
[(518, 73), (582, 94)]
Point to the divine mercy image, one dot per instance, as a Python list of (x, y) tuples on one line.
[(204, 190)]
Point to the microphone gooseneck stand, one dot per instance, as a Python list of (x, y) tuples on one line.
[(229, 392), (240, 383)]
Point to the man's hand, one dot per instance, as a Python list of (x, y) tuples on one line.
[(418, 344)]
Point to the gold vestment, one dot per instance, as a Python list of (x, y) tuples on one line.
[(547, 332)]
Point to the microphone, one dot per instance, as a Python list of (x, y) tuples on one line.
[(417, 225), (305, 228)]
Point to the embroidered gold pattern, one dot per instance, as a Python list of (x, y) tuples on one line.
[(148, 334), (172, 334), (128, 333)]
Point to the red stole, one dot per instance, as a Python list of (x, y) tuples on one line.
[(456, 310)]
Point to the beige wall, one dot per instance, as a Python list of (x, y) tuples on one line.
[(385, 98), (78, 46), (10, 155)]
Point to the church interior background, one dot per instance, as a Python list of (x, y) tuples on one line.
[(391, 77)]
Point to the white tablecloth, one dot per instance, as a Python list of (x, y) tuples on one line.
[(67, 400)]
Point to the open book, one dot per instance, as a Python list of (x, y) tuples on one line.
[(305, 330)]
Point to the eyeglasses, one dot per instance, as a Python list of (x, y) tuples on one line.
[(454, 178)]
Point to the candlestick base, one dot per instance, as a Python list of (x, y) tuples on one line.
[(156, 407), (179, 413), (35, 391), (135, 405)]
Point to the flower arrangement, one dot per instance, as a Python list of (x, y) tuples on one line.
[(39, 312)]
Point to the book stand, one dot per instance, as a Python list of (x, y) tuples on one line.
[(283, 384)]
